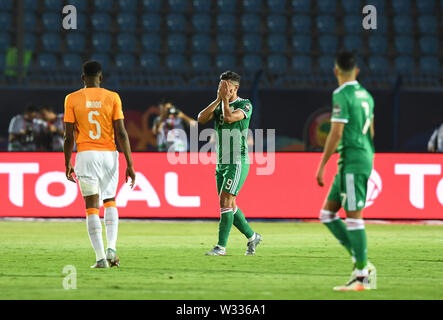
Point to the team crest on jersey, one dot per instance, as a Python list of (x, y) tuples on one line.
[(247, 107), (336, 110)]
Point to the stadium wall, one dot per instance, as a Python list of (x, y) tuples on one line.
[(402, 186), (299, 116)]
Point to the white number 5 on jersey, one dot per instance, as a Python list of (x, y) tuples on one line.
[(97, 124)]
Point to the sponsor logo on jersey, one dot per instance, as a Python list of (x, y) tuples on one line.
[(93, 104)]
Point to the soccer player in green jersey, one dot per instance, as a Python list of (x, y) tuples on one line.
[(352, 133), (231, 115)]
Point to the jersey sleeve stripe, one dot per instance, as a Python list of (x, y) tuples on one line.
[(246, 115), (339, 120)]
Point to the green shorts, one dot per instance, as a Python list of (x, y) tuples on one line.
[(230, 177), (349, 190)]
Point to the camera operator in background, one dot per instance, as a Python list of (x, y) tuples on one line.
[(170, 128), (435, 144), (54, 129), (26, 131)]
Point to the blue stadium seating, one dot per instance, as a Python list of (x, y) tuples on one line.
[(250, 22), (75, 42), (302, 43), (80, 5), (402, 6), (103, 59), (277, 43), (5, 41), (427, 24), (151, 42), (404, 65), (149, 61), (81, 22), (429, 66), (252, 43), (53, 5), (353, 43), (29, 41), (127, 22), (276, 23), (201, 5), (152, 5), (201, 43), (126, 42), (404, 45), (72, 62), (429, 45), (127, 5), (301, 6), (325, 24), (2, 61), (380, 5), (326, 64), (252, 5), (176, 62), (5, 21), (402, 24), (328, 44), (426, 7), (103, 5), (277, 63), (302, 64), (378, 44), (101, 42), (353, 24), (151, 22), (51, 21), (351, 6), (201, 22), (6, 5), (378, 64), (201, 62), (47, 62), (301, 23), (176, 43), (101, 21), (225, 62), (226, 22), (176, 22), (278, 6), (225, 43), (125, 61), (327, 6), (51, 42), (226, 5), (382, 24), (31, 5), (178, 5), (252, 62), (30, 21)]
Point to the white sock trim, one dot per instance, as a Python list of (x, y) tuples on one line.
[(253, 237), (328, 216), (355, 224), (224, 210)]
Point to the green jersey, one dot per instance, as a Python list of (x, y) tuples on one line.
[(232, 145), (354, 106)]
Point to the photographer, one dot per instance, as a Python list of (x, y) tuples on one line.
[(54, 129), (435, 143), (25, 131), (170, 128)]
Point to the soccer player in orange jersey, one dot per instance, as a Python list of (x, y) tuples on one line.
[(92, 115)]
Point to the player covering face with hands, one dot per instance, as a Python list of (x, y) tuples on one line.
[(231, 115), (93, 116)]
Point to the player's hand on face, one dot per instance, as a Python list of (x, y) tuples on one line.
[(69, 173), (224, 90), (320, 174), (130, 172)]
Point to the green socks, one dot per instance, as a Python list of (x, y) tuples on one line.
[(357, 237), (337, 228), (225, 225), (241, 224)]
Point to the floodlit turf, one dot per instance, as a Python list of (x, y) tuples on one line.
[(166, 261)]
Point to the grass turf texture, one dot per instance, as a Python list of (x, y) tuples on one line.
[(165, 260)]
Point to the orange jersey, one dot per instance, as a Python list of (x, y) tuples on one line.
[(93, 111)]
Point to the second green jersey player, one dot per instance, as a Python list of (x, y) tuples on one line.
[(351, 134), (231, 115)]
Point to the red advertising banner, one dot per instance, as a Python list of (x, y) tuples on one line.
[(402, 186)]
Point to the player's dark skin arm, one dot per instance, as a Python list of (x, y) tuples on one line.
[(332, 142), (125, 146), (67, 149)]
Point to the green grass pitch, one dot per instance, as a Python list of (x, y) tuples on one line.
[(165, 260)]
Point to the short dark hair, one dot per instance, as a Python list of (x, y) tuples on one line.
[(92, 68), (30, 108), (230, 75), (165, 101), (346, 60)]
